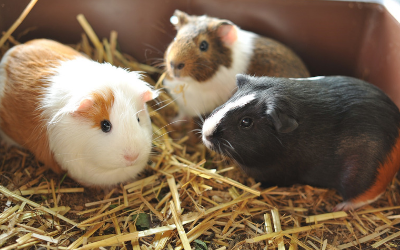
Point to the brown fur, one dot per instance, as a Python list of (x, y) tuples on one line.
[(272, 58), (102, 103), (386, 172), (26, 66), (198, 64)]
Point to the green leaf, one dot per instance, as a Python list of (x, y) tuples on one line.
[(207, 164), (200, 245), (63, 178), (142, 221)]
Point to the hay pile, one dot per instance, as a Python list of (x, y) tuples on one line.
[(188, 198)]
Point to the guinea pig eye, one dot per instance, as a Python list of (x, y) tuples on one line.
[(203, 46), (138, 119), (246, 123), (105, 126)]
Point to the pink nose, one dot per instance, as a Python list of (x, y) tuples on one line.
[(131, 157)]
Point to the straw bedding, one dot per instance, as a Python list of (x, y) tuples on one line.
[(187, 198)]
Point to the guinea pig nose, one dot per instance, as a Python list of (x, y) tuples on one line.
[(209, 137), (131, 157), (177, 66), (218, 133), (214, 135)]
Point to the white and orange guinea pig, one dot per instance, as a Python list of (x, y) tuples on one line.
[(207, 53), (74, 114)]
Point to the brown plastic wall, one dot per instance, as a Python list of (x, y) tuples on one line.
[(358, 39)]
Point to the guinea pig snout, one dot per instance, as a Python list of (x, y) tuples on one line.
[(131, 157), (176, 68), (210, 139)]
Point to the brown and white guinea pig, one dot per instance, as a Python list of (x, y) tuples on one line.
[(74, 114), (207, 53), (334, 132)]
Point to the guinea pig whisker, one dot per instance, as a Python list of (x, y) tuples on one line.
[(158, 103), (157, 59), (160, 64), (278, 139), (219, 147), (140, 110), (231, 155), (162, 135), (245, 146), (164, 106), (169, 139), (200, 117), (168, 125), (234, 90), (154, 48), (199, 123), (160, 26), (162, 140), (196, 131), (230, 145)]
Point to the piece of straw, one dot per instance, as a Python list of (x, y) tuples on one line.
[(179, 226), (15, 25), (363, 240), (278, 228), (47, 191), (285, 232), (8, 193), (92, 36), (174, 192), (323, 217)]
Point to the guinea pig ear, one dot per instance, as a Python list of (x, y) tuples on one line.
[(179, 19), (84, 106), (241, 80), (149, 95), (282, 122), (227, 32)]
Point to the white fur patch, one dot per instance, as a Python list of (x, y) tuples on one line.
[(204, 97), (212, 122), (5, 138), (91, 156), (308, 78)]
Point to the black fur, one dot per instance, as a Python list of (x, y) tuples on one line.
[(345, 129)]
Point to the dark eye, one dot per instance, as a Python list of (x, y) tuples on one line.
[(203, 46), (138, 119), (246, 123), (105, 126)]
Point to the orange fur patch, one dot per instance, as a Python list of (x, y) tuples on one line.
[(27, 66), (386, 172), (100, 110)]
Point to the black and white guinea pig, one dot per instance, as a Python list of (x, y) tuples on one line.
[(207, 53), (333, 132), (74, 114)]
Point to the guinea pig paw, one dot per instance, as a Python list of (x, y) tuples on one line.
[(343, 206)]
